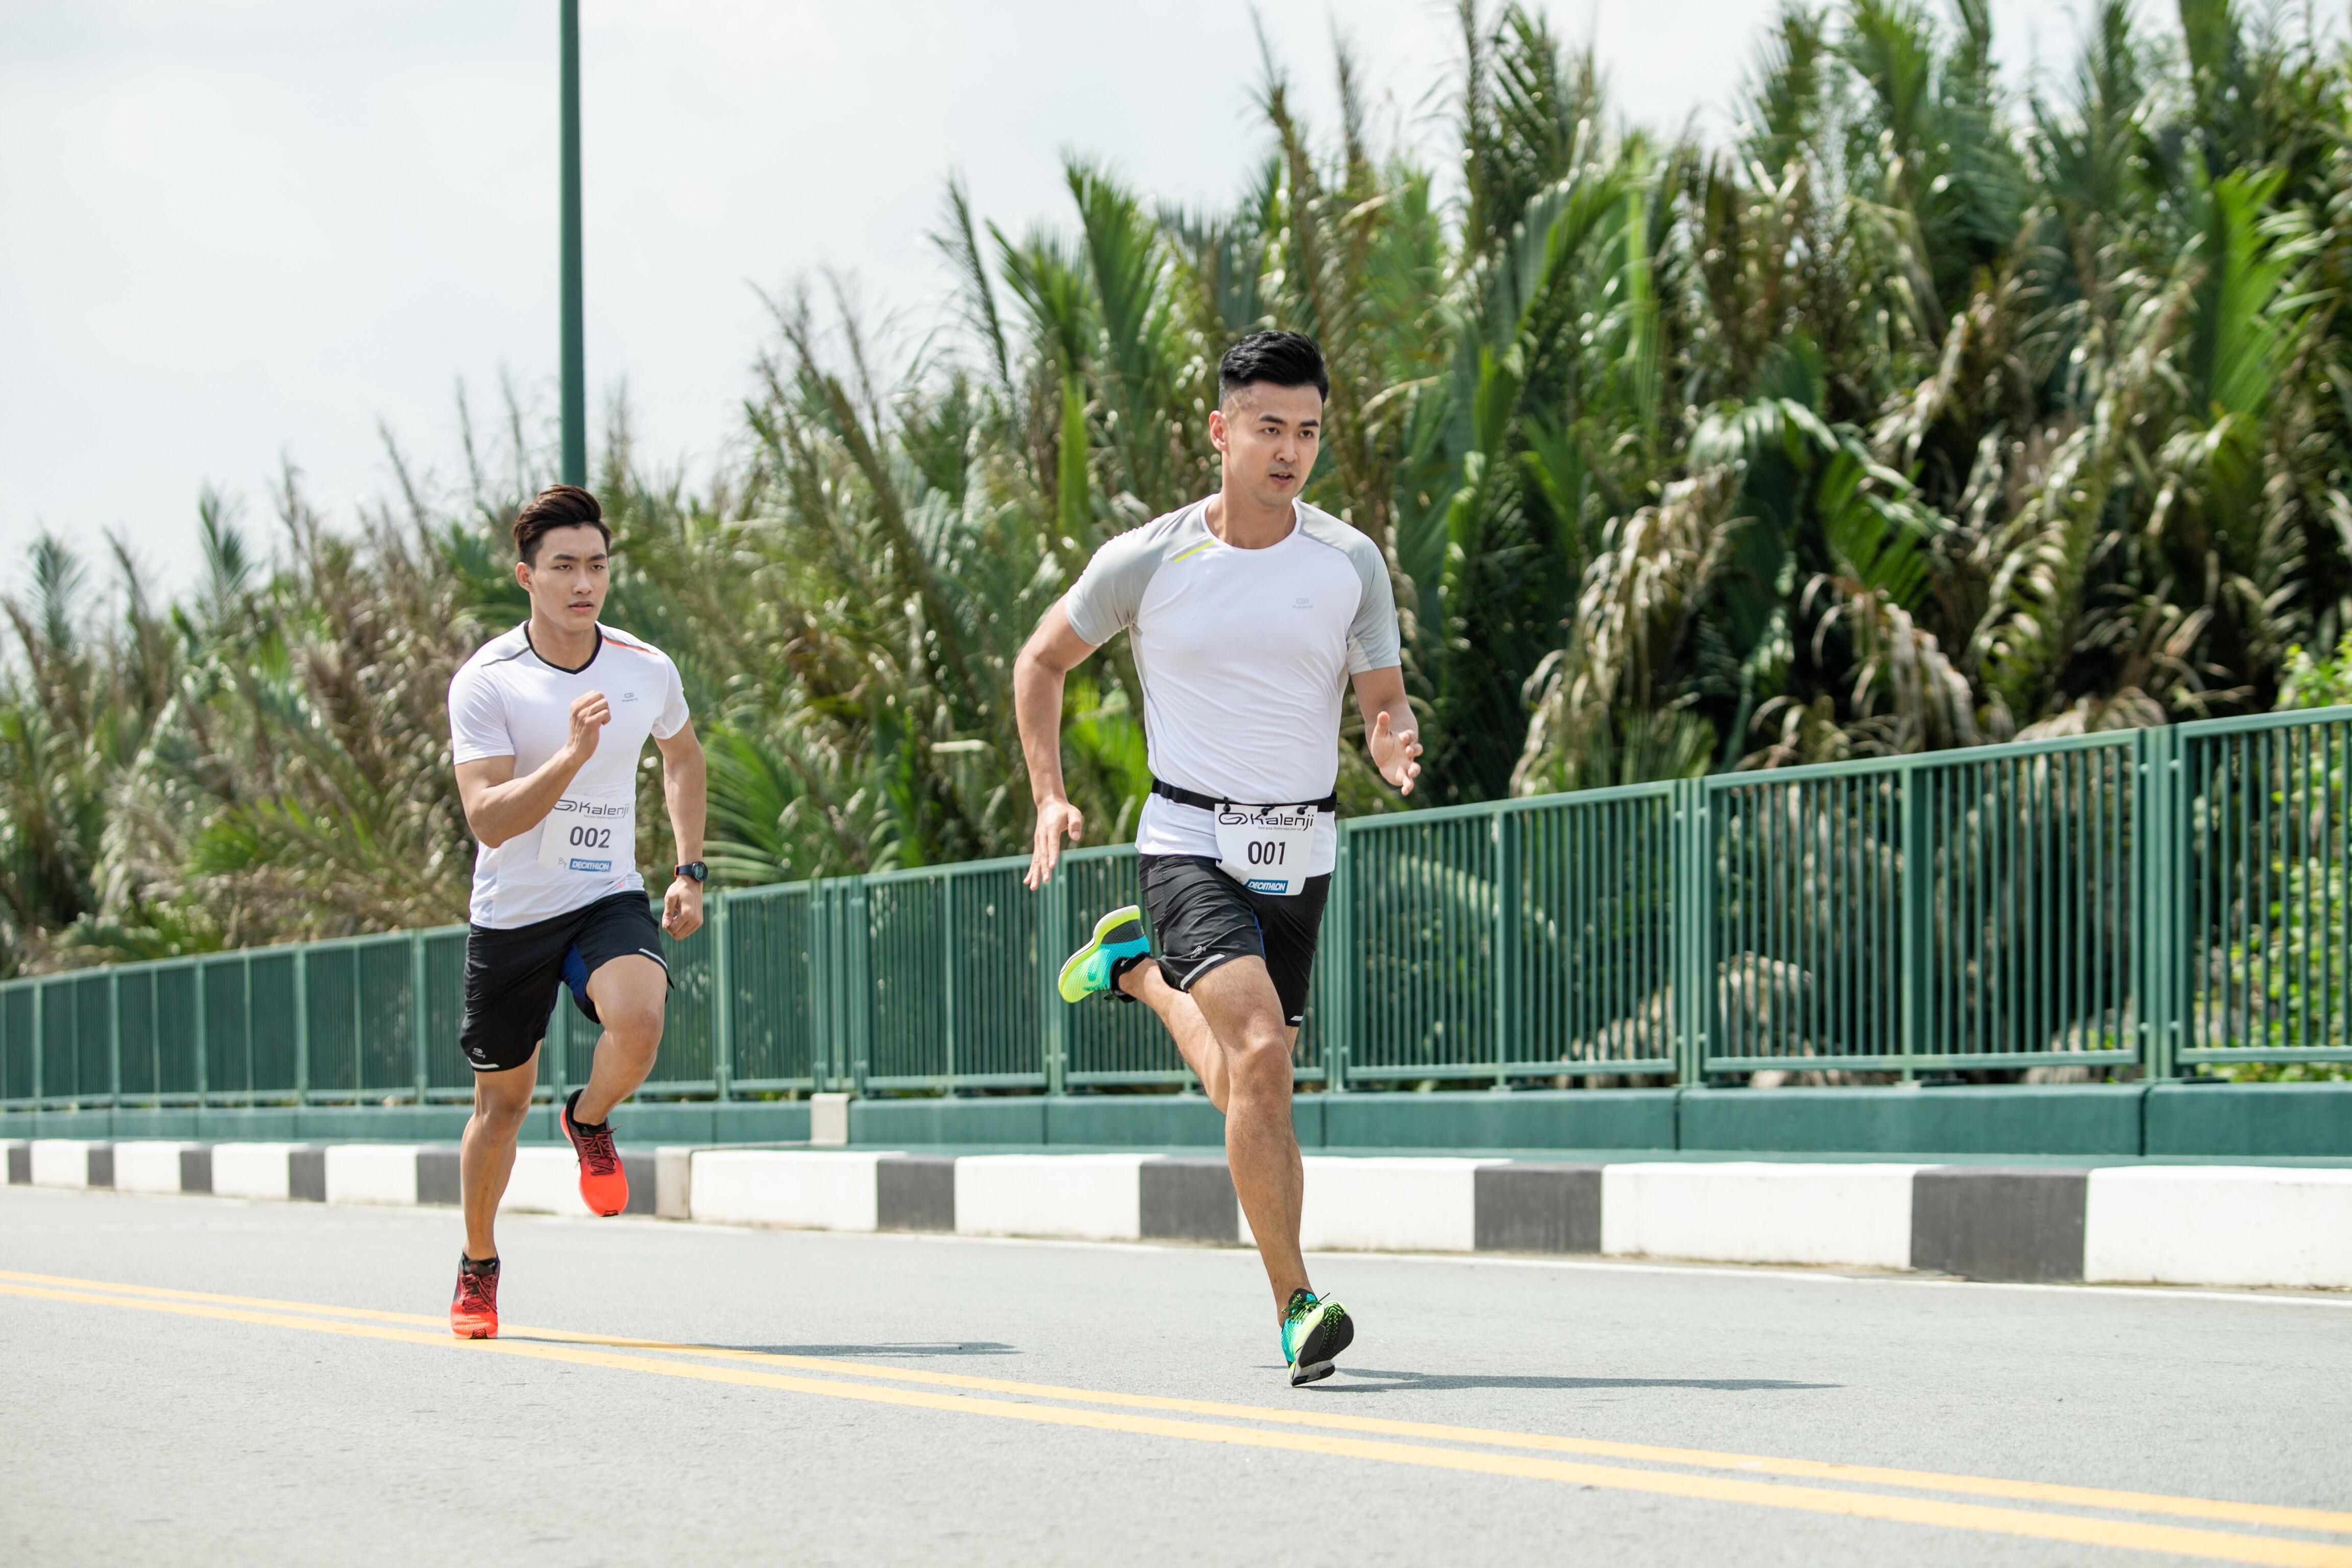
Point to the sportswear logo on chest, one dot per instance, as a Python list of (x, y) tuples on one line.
[(628, 697), (1302, 603)]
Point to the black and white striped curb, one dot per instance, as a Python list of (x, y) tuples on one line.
[(546, 1180), (2253, 1226)]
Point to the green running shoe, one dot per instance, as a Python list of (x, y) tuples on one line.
[(1118, 935), (1313, 1331)]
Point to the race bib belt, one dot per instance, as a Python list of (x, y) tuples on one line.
[(589, 836), (1266, 848)]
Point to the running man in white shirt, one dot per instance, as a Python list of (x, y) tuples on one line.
[(1249, 614), (546, 725)]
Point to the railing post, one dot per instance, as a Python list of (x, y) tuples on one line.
[(1694, 880), (841, 923), (197, 966), (302, 1022), (360, 1088), (420, 1024), (2159, 857), (722, 1008), (245, 978), (1504, 967), (1053, 927), (1914, 880), (114, 1040), (824, 961), (1340, 974), (858, 964), (40, 1045), (947, 968)]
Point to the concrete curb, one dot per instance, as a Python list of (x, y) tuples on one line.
[(1760, 1211), (2195, 1225)]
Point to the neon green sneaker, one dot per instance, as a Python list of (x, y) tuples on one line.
[(1314, 1332), (1118, 935)]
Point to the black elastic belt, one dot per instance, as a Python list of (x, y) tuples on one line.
[(1195, 799)]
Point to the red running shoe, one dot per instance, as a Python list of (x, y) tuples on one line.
[(603, 1186), (474, 1309)]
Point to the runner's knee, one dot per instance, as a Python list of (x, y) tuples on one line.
[(1262, 1054), (633, 1023), (500, 1117)]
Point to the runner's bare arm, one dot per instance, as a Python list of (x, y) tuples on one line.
[(1054, 650), (499, 807), (685, 786), (1391, 734)]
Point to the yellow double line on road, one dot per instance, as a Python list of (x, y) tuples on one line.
[(1318, 1432)]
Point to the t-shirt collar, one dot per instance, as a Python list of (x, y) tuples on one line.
[(1297, 522), (550, 664)]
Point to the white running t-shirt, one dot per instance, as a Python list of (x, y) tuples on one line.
[(507, 701), (1244, 657)]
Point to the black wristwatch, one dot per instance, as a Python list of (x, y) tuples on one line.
[(694, 868)]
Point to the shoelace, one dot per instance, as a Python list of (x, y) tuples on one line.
[(597, 1150), (475, 1291)]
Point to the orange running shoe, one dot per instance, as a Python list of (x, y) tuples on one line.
[(603, 1186), (474, 1309)]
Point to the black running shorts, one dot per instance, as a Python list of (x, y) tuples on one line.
[(1201, 918), (513, 975)]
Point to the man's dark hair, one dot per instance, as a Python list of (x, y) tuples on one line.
[(1286, 359), (558, 506)]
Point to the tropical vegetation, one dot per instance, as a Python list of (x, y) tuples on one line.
[(1925, 408)]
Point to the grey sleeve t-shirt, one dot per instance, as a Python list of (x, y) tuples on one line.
[(1245, 656)]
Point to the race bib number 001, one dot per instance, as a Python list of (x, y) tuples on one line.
[(592, 837), (1266, 848)]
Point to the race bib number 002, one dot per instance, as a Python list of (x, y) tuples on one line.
[(592, 837), (1266, 848)]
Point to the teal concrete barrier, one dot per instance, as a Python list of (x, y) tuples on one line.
[(1623, 1119), (2253, 1120), (1134, 1121), (2021, 1119), (59, 1125), (1009, 1118), (1076, 1120), (761, 1121)]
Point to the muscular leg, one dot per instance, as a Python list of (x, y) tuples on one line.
[(1230, 1029), (486, 1155), (631, 993)]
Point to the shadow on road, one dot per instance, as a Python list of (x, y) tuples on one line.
[(1366, 1380), (967, 1347)]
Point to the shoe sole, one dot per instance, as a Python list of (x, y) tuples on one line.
[(488, 1334), (1103, 928), (1323, 1342), (564, 1118)]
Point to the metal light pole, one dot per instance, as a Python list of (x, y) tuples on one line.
[(575, 351)]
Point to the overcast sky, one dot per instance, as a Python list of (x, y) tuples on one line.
[(231, 229)]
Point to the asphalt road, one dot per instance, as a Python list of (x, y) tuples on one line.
[(964, 1401)]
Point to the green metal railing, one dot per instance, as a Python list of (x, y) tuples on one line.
[(1532, 938), (2156, 900), (1973, 909), (2261, 835)]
